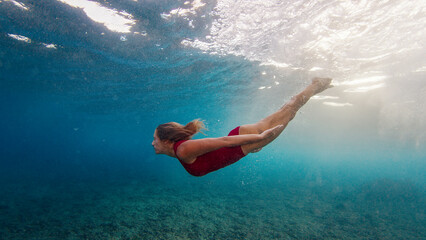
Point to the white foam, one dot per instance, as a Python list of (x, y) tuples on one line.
[(19, 38), (18, 4), (114, 20), (320, 97), (52, 46), (340, 37), (335, 104), (372, 79), (365, 88)]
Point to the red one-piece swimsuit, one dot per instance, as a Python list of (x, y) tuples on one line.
[(214, 160)]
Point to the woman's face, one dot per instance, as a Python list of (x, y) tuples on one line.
[(159, 146)]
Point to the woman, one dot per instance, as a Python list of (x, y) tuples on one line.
[(203, 156)]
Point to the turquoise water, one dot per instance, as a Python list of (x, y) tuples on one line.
[(83, 85)]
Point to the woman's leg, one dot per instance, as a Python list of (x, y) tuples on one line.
[(284, 115)]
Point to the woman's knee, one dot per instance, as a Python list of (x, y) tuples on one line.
[(263, 125)]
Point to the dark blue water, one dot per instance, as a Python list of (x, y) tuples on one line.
[(81, 97)]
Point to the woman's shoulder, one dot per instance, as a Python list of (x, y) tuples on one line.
[(183, 151)]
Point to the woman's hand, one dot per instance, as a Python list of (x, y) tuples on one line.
[(272, 132), (269, 133)]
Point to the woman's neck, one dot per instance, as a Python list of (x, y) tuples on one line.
[(170, 151)]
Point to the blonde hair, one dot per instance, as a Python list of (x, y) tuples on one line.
[(176, 132)]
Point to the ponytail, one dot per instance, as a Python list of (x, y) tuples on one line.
[(195, 126), (176, 132)]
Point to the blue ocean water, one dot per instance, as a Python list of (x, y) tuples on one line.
[(83, 85)]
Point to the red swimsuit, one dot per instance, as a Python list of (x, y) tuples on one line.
[(214, 160)]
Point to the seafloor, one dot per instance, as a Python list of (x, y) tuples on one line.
[(202, 208)]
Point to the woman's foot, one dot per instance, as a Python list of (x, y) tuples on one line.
[(321, 84)]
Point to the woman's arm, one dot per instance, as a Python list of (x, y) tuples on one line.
[(190, 150)]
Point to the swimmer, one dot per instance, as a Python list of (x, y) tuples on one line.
[(202, 156)]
